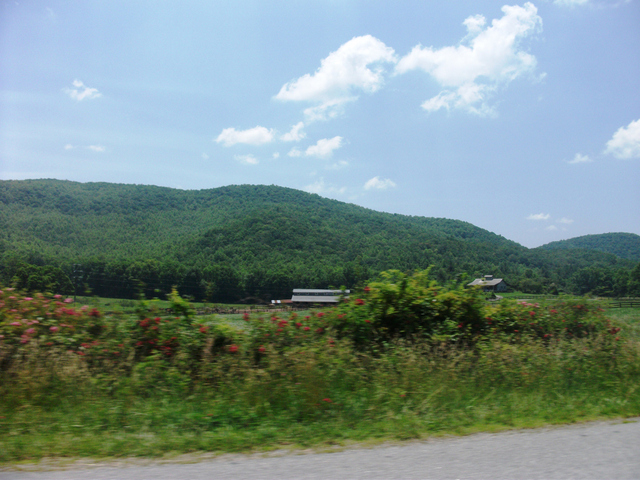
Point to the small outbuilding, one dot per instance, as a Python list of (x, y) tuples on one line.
[(311, 296), (489, 284)]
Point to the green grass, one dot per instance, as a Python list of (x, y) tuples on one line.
[(286, 387)]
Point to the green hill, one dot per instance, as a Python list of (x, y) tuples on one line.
[(624, 245), (251, 241)]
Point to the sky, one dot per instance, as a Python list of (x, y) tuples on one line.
[(522, 118)]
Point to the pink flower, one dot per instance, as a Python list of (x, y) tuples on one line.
[(16, 324), (57, 296), (233, 348), (306, 329), (27, 299), (54, 329), (30, 331), (68, 300)]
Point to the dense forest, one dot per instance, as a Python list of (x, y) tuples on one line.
[(624, 245), (257, 243)]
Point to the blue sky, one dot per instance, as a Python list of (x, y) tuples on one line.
[(520, 118)]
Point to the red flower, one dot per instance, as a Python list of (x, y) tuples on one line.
[(320, 314), (367, 289), (359, 301), (554, 311), (367, 321), (319, 330), (262, 349), (203, 329), (233, 348), (532, 313), (157, 319), (328, 400), (460, 325), (245, 317), (306, 329)]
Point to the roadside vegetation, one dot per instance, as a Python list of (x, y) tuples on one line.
[(403, 358)]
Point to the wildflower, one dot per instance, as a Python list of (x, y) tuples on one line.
[(532, 313), (320, 314), (94, 312), (68, 300), (27, 299), (54, 329), (245, 317), (328, 400), (319, 330), (233, 348), (460, 325), (203, 329), (24, 339), (306, 329), (367, 289), (57, 297), (157, 320), (367, 321), (554, 311), (261, 349), (30, 331), (359, 301), (298, 324), (16, 324)]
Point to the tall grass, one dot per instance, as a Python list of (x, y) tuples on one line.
[(80, 384)]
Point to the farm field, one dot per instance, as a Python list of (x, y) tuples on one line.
[(391, 364)]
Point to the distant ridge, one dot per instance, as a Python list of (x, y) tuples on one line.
[(624, 245), (256, 241)]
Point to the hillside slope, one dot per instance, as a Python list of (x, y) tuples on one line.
[(248, 241), (624, 245)]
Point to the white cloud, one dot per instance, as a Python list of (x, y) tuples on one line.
[(246, 159), (355, 66), (539, 216), (338, 165), (570, 3), (320, 187), (97, 148), (68, 146), (82, 92), (205, 156), (579, 158), (551, 227), (487, 58), (294, 152), (295, 134), (379, 184), (276, 155), (324, 148), (253, 136), (565, 220), (625, 143)]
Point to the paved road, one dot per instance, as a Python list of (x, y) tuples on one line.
[(603, 450)]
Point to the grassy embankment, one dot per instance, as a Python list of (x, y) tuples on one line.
[(399, 363)]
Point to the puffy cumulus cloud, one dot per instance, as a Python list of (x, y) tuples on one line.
[(539, 216), (579, 158), (97, 148), (81, 91), (487, 58), (246, 159), (295, 152), (356, 66), (324, 148), (565, 220), (625, 143), (379, 184), (253, 136), (320, 187), (295, 134)]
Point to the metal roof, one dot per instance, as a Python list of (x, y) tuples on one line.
[(485, 283)]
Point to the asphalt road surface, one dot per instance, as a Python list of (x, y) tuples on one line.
[(602, 450)]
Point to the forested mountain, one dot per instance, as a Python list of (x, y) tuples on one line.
[(256, 241), (624, 245)]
